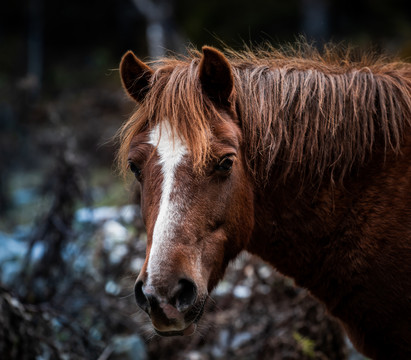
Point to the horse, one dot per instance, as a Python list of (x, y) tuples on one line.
[(300, 157)]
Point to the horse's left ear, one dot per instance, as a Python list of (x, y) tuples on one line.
[(135, 76), (216, 76)]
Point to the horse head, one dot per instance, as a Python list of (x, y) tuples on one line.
[(198, 214)]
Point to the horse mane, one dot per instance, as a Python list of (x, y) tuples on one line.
[(300, 110)]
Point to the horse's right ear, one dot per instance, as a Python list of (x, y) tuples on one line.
[(215, 75), (135, 76)]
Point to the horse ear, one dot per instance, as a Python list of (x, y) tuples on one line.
[(216, 76), (135, 76)]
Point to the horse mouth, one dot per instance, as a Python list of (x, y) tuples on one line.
[(189, 330)]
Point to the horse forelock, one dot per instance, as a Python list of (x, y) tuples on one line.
[(175, 96), (310, 114)]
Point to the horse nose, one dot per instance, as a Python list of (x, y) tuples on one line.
[(182, 296), (141, 298), (185, 294)]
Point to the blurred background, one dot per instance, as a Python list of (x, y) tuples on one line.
[(71, 237)]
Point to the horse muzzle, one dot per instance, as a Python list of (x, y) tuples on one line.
[(175, 314)]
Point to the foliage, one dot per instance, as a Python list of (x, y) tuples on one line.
[(306, 344)]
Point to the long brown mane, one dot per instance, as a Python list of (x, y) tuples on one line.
[(299, 110)]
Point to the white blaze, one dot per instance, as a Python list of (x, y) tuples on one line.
[(171, 151)]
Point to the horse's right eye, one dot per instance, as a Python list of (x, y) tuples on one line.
[(225, 164), (135, 170)]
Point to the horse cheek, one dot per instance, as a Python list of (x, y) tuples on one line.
[(214, 262), (243, 207)]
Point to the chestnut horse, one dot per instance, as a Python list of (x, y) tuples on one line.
[(300, 158)]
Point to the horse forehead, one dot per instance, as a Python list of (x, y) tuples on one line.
[(168, 144), (171, 149)]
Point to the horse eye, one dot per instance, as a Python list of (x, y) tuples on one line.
[(135, 170), (225, 164)]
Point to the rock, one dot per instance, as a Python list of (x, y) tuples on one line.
[(96, 215), (240, 340), (115, 238), (220, 348), (101, 214), (12, 253), (112, 288), (128, 348), (128, 213), (242, 292), (114, 233), (223, 288), (195, 355)]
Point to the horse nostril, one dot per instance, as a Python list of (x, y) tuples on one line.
[(185, 295), (141, 298)]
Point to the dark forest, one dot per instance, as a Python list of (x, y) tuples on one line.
[(72, 240)]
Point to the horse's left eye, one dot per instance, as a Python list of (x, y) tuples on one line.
[(225, 164), (135, 170)]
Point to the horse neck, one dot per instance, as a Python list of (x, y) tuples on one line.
[(285, 215), (305, 231), (294, 224)]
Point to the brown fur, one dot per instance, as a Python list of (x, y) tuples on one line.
[(323, 168), (340, 108)]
